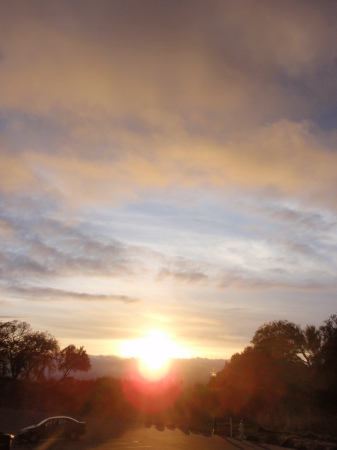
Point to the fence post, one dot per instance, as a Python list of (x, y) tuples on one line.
[(241, 432)]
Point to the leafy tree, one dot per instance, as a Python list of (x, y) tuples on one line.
[(28, 354), (24, 352), (327, 369), (72, 359), (40, 355), (329, 342), (13, 337), (283, 341), (250, 381), (287, 369), (311, 348)]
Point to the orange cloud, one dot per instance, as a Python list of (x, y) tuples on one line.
[(285, 159)]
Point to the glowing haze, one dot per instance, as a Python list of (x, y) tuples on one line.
[(167, 165)]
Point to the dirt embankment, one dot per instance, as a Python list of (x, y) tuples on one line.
[(310, 441)]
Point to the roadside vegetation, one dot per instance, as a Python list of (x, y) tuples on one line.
[(287, 378)]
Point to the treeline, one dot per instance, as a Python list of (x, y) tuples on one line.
[(35, 355), (286, 378)]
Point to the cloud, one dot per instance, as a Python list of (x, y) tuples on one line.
[(7, 318), (189, 277), (15, 175), (309, 220), (281, 160), (130, 107), (40, 247), (170, 152), (50, 294), (253, 282), (125, 56)]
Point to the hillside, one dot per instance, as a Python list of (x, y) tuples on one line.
[(191, 371)]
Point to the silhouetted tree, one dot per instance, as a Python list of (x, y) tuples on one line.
[(72, 359), (40, 355), (282, 340), (13, 339), (311, 348), (329, 342), (287, 368), (327, 368), (24, 352), (251, 381)]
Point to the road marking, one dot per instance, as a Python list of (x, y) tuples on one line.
[(137, 446), (123, 445)]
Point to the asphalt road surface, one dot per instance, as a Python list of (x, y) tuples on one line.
[(149, 438)]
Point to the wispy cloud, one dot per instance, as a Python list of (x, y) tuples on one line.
[(49, 294), (189, 277)]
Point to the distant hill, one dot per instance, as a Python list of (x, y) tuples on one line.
[(191, 371)]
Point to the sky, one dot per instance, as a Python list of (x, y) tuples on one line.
[(167, 167)]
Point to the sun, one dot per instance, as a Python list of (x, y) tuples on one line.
[(154, 353)]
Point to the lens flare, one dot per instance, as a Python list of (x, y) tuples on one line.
[(152, 384), (153, 354)]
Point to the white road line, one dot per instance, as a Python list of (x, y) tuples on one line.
[(137, 446), (124, 445)]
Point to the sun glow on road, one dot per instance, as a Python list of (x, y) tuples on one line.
[(154, 353)]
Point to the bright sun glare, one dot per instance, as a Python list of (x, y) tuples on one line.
[(154, 353)]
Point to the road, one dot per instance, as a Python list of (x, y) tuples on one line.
[(150, 438)]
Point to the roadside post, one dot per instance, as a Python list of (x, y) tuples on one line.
[(215, 425), (241, 431)]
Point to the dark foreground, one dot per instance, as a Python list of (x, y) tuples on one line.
[(149, 438)]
